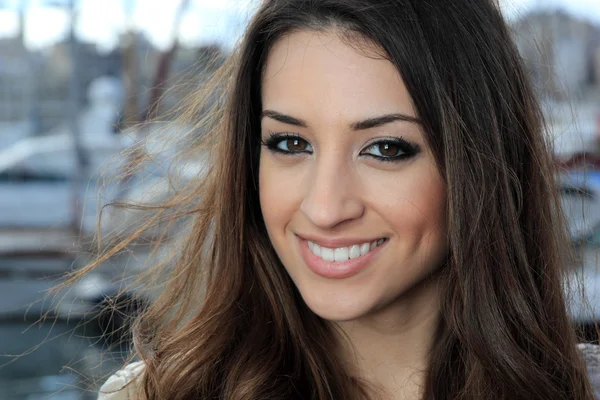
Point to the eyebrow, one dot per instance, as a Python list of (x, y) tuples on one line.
[(355, 126)]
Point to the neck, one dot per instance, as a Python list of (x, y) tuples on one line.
[(390, 348)]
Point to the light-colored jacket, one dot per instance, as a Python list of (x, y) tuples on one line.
[(123, 384)]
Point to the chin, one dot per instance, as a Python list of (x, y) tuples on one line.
[(355, 300), (337, 308)]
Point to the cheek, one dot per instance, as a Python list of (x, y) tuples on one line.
[(265, 190), (429, 218), (414, 205), (279, 194)]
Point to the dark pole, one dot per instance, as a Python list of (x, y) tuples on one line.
[(130, 68), (80, 152), (158, 87), (34, 73), (162, 71), (21, 33)]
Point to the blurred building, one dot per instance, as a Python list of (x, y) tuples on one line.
[(190, 67), (17, 91), (57, 70), (16, 88), (562, 53), (34, 86)]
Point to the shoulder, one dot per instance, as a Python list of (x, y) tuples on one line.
[(121, 385), (591, 355)]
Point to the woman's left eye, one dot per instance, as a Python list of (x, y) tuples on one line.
[(391, 150)]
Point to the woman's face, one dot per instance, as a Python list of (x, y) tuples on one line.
[(351, 197)]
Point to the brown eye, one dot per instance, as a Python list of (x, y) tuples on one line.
[(389, 149), (296, 144), (286, 143)]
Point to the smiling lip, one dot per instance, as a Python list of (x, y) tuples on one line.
[(336, 270)]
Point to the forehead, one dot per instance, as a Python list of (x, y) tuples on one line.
[(316, 72)]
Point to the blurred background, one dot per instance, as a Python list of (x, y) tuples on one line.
[(77, 77)]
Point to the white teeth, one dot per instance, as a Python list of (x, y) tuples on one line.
[(327, 254), (342, 254), (365, 248), (316, 249), (354, 251)]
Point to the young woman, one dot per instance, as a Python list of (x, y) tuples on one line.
[(379, 220)]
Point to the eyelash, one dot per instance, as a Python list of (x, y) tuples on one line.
[(408, 149)]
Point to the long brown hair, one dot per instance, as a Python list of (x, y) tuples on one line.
[(229, 323)]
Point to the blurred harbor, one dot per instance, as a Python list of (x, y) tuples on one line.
[(68, 110)]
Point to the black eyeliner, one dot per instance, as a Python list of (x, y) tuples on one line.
[(408, 149), (273, 139)]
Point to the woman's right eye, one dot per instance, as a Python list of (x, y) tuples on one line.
[(287, 144)]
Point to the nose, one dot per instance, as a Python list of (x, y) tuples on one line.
[(332, 197)]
